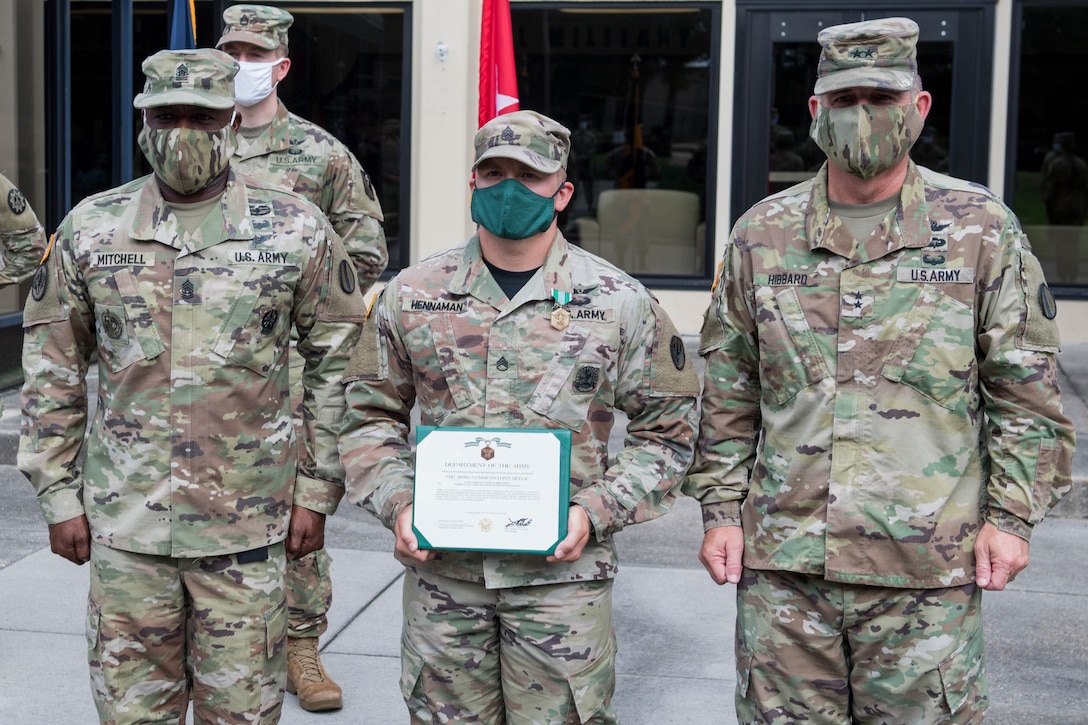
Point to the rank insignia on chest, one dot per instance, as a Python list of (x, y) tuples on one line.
[(188, 289)]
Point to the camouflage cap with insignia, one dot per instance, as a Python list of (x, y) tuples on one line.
[(526, 136), (202, 77), (870, 54), (260, 25), (15, 214)]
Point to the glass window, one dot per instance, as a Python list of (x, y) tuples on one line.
[(637, 87), (349, 70), (1051, 176)]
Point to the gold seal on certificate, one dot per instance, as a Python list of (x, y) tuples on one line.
[(491, 489)]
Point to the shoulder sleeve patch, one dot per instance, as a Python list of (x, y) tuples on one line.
[(343, 300), (671, 372), (44, 303), (1039, 331)]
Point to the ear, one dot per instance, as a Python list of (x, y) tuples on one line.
[(563, 196), (924, 101), (813, 105), (280, 71)]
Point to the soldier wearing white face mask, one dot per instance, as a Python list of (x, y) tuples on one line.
[(282, 149)]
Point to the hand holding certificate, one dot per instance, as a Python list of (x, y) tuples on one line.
[(490, 489)]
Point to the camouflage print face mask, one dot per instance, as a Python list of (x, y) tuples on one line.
[(187, 160), (866, 140)]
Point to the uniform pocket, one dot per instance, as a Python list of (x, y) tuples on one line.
[(934, 352), (963, 676), (437, 357), (93, 628), (592, 686), (256, 332), (575, 377), (116, 342), (275, 629), (411, 667), (790, 358)]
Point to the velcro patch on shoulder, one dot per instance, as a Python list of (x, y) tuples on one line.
[(1039, 330), (343, 301), (671, 372), (367, 361), (44, 304)]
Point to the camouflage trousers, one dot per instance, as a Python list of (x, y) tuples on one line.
[(309, 594), (818, 652), (160, 630), (308, 581), (523, 655)]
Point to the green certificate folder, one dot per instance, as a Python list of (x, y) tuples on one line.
[(491, 489)]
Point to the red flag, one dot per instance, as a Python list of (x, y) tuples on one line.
[(498, 75)]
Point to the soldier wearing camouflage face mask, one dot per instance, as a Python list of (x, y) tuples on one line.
[(882, 426), (183, 288)]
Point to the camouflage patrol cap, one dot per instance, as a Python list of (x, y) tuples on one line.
[(260, 25), (870, 54), (202, 77), (15, 214), (526, 136)]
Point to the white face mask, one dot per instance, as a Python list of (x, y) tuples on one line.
[(253, 83)]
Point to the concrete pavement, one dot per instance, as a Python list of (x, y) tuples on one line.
[(674, 626)]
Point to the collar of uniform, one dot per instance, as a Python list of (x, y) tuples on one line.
[(154, 222), (826, 231), (469, 278), (276, 137)]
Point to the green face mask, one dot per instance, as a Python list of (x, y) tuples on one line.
[(511, 210), (866, 140), (187, 160)]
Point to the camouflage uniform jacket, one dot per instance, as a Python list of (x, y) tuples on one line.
[(191, 451), (298, 155), (868, 405), (22, 241), (444, 335)]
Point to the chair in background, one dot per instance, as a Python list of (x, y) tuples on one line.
[(647, 231)]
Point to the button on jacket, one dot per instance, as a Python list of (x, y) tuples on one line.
[(870, 404)]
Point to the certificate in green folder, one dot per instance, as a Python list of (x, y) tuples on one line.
[(491, 489)]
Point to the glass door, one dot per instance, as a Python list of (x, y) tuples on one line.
[(777, 56)]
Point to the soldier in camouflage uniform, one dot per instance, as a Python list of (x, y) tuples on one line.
[(518, 329), (280, 148), (22, 239), (882, 426), (185, 285)]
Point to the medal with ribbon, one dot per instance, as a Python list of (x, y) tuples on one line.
[(560, 316)]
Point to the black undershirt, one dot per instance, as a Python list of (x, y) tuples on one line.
[(510, 282)]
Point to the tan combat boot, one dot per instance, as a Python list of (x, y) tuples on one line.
[(307, 678)]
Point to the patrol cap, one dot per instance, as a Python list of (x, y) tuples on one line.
[(15, 214), (260, 25), (871, 54), (526, 136), (203, 77)]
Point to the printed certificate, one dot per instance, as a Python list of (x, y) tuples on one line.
[(491, 489)]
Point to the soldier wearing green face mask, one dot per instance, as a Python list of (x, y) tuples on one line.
[(882, 426), (183, 288), (517, 328)]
